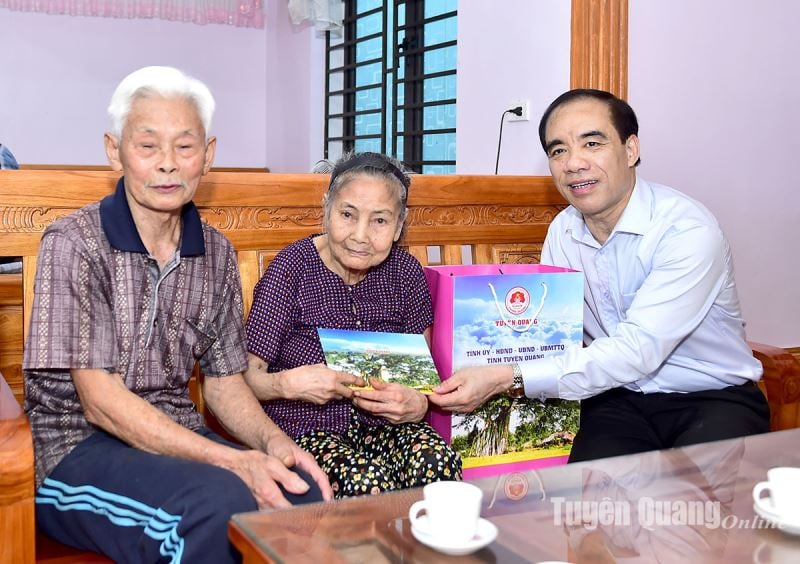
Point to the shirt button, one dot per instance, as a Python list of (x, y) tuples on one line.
[(358, 323)]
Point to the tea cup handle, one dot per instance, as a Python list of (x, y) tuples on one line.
[(413, 512), (759, 487), (757, 554)]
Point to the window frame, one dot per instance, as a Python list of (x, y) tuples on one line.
[(411, 55)]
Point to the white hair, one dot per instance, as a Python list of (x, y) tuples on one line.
[(166, 82)]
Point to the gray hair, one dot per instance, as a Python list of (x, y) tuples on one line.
[(373, 165), (166, 82)]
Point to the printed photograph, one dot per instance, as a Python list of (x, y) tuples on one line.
[(392, 357)]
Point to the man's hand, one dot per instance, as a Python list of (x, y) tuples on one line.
[(286, 450), (395, 402), (235, 406), (469, 388), (262, 473), (318, 384)]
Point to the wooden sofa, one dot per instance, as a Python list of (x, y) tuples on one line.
[(452, 220)]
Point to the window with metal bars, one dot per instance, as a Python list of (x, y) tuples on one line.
[(391, 82)]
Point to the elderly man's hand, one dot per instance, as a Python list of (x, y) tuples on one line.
[(319, 384), (468, 388), (394, 402), (262, 473), (286, 450)]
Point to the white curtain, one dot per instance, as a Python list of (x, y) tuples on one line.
[(324, 14)]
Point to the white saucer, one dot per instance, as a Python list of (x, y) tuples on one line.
[(792, 528), (485, 534)]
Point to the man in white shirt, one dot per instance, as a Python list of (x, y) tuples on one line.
[(666, 362)]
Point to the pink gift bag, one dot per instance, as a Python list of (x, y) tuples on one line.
[(488, 314)]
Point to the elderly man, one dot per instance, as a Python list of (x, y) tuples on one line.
[(666, 362), (131, 291)]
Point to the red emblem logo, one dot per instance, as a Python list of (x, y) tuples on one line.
[(516, 486), (517, 300)]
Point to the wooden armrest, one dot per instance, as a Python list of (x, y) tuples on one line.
[(17, 525), (782, 382)]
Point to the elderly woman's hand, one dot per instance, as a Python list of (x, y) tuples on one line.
[(394, 402), (318, 384)]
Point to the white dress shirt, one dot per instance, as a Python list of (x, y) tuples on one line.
[(661, 313)]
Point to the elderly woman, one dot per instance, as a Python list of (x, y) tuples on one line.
[(352, 276)]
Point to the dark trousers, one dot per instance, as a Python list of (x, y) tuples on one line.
[(134, 506), (621, 421)]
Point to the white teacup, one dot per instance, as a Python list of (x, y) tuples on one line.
[(775, 552), (783, 485), (452, 510)]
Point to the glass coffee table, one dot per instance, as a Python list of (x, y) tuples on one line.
[(687, 504)]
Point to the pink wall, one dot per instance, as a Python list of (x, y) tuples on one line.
[(269, 83), (697, 71), (59, 72), (295, 93), (508, 50), (716, 88)]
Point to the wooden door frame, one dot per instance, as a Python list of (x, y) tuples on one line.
[(599, 45)]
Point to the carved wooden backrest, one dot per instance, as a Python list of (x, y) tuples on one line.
[(452, 219)]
